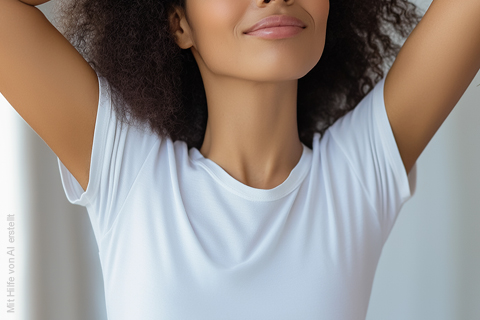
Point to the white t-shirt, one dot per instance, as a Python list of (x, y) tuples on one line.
[(179, 238)]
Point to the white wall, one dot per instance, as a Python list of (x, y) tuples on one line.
[(13, 228), (58, 266), (430, 265)]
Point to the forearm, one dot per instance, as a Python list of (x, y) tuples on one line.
[(34, 2)]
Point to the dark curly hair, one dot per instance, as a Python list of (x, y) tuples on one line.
[(154, 81)]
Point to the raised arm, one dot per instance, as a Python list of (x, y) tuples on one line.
[(433, 69), (48, 83)]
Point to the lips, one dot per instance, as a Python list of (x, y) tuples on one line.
[(276, 21)]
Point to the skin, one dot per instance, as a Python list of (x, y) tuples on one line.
[(251, 83)]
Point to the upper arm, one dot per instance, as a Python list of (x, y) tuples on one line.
[(433, 69), (49, 84)]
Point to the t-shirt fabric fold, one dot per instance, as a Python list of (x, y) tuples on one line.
[(179, 238)]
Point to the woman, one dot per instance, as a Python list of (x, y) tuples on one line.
[(223, 173)]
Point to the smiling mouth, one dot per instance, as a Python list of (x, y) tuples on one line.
[(276, 21)]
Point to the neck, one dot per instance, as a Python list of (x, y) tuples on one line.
[(252, 130)]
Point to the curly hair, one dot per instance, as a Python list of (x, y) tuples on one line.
[(154, 81)]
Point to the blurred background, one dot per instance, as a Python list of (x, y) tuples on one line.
[(429, 268)]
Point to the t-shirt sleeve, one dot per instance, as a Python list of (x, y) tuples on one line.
[(118, 153), (366, 139)]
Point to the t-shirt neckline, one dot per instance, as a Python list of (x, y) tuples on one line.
[(296, 176)]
